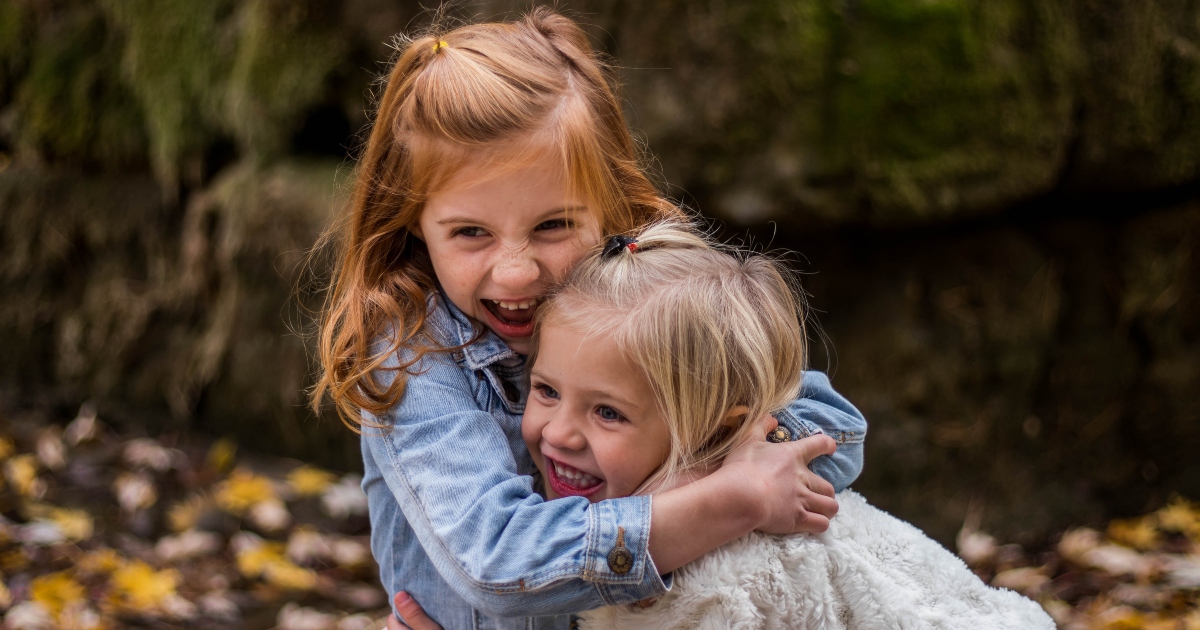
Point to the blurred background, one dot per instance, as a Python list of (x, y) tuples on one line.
[(995, 204)]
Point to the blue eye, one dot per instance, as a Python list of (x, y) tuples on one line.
[(609, 414), (547, 391)]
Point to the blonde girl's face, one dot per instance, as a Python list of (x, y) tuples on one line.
[(592, 423), (500, 235)]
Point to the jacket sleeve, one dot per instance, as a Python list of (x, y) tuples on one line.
[(501, 547), (820, 409)]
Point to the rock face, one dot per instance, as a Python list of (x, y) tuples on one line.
[(994, 195)]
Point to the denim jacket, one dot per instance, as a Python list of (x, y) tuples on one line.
[(456, 521)]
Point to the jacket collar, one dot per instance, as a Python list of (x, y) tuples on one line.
[(488, 349)]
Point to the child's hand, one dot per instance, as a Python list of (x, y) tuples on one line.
[(790, 497), (413, 614)]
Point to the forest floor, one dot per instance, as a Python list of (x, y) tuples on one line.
[(100, 530)]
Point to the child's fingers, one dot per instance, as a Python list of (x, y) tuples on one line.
[(821, 486), (413, 614), (815, 446), (766, 424), (819, 504), (813, 524)]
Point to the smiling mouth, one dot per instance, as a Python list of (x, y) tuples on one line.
[(511, 319), (568, 481)]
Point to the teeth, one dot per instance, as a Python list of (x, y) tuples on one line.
[(577, 477), (513, 306)]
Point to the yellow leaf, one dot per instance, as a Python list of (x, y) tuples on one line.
[(7, 448), (1179, 516), (253, 561), (286, 575), (143, 589), (307, 481), (243, 489), (222, 454), (100, 561), (76, 525), (1138, 533), (54, 591), (21, 472), (185, 514)]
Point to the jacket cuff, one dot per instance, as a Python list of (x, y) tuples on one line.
[(619, 533)]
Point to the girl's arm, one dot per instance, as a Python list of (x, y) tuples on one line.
[(821, 410), (449, 468)]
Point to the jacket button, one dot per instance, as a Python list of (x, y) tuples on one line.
[(620, 559), (780, 434)]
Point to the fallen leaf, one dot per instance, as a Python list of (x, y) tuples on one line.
[(1139, 533), (141, 588), (54, 591), (1025, 580), (189, 544), (135, 491), (222, 454), (185, 514), (83, 428), (101, 561), (147, 453), (220, 605), (307, 546), (270, 515), (21, 473), (286, 575), (1077, 542), (28, 616), (308, 481), (293, 617), (1179, 516), (1117, 560), (75, 525), (975, 548), (50, 449), (345, 498), (242, 490)]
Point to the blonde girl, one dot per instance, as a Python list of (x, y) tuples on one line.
[(497, 158), (648, 369)]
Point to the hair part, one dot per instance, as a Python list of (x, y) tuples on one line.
[(712, 330), (494, 93)]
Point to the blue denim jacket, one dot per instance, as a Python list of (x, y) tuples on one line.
[(455, 519)]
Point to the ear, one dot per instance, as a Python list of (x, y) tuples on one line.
[(735, 417), (416, 231)]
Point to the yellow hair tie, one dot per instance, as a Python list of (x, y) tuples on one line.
[(440, 45)]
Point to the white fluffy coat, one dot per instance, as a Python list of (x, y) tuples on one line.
[(869, 571)]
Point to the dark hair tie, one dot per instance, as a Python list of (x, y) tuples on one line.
[(616, 244)]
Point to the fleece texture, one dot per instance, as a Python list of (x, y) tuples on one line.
[(869, 571)]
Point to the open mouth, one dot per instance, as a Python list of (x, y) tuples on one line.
[(511, 319), (567, 481)]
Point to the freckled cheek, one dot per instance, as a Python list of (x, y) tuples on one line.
[(563, 259)]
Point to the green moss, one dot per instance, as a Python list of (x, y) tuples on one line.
[(176, 56), (945, 96), (284, 57), (70, 103)]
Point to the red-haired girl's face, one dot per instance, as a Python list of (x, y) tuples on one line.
[(499, 238)]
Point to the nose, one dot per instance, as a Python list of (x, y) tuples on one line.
[(562, 432), (517, 268)]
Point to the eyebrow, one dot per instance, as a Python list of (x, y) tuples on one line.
[(543, 217)]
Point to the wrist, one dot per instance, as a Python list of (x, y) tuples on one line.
[(730, 495)]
